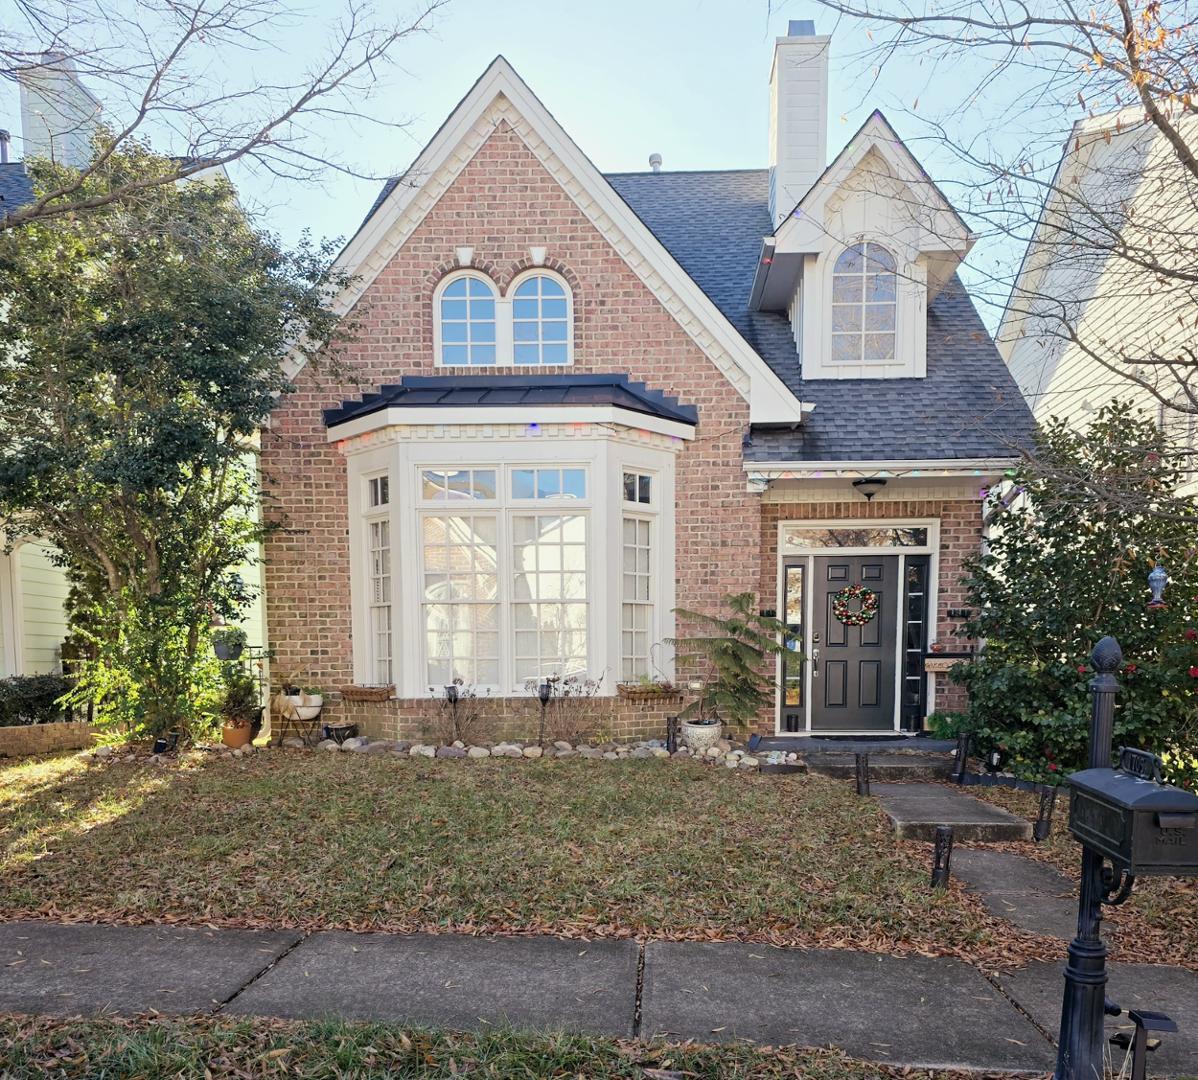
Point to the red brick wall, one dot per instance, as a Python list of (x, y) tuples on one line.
[(960, 537), (502, 203)]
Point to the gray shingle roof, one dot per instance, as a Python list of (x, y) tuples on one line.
[(968, 406), (16, 188), (525, 391)]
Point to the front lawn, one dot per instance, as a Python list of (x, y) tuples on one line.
[(156, 1048), (645, 848)]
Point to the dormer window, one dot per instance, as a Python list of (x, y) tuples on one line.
[(466, 319), (864, 305)]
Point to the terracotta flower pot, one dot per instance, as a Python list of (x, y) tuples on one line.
[(236, 737)]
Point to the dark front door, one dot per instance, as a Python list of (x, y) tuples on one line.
[(852, 667)]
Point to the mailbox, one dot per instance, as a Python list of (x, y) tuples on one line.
[(1144, 826)]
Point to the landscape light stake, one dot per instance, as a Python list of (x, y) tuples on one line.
[(961, 764), (942, 856), (862, 774), (1079, 1053), (672, 734), (452, 696), (1043, 827), (544, 693)]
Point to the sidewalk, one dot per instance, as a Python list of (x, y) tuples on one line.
[(913, 1011)]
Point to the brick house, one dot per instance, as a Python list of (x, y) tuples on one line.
[(575, 402)]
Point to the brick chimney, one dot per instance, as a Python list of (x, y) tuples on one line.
[(798, 115)]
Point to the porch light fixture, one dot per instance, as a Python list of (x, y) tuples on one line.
[(869, 486), (1157, 580)]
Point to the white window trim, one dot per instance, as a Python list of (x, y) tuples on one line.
[(605, 458), (11, 610), (504, 344), (931, 549), (911, 323)]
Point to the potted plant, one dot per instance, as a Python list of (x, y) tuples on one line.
[(305, 701), (240, 708), (733, 686), (228, 643)]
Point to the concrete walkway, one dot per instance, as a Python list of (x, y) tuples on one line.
[(916, 809), (912, 1011)]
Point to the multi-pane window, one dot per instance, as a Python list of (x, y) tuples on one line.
[(864, 305), (549, 483), (638, 488), (461, 598), (467, 321), (549, 594), (540, 322), (379, 555), (504, 575), (457, 485), (379, 491), (636, 612)]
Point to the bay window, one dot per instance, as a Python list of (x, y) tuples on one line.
[(503, 562)]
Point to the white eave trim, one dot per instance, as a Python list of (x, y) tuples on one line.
[(885, 469), (769, 398), (520, 416)]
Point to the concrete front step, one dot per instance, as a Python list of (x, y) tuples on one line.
[(883, 766), (916, 810)]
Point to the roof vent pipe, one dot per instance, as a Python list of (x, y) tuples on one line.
[(655, 162), (4, 139)]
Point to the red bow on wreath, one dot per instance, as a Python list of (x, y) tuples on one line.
[(863, 614)]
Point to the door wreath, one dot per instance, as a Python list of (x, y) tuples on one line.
[(865, 613)]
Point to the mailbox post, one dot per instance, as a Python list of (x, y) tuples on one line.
[(1141, 825)]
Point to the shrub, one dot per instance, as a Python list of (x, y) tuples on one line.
[(31, 699), (1074, 536)]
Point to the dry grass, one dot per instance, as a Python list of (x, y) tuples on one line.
[(629, 848)]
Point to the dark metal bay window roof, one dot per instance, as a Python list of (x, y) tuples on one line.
[(514, 391)]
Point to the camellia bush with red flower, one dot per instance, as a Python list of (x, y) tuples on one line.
[(1075, 531)]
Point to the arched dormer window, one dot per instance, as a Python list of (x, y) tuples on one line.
[(864, 305), (466, 322), (542, 334)]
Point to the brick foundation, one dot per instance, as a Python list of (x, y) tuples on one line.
[(599, 719), (27, 740)]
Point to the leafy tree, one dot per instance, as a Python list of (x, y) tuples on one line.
[(140, 350), (1063, 568), (732, 660)]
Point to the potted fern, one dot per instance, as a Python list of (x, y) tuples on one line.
[(735, 677)]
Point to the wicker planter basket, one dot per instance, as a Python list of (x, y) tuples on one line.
[(367, 693), (637, 692)]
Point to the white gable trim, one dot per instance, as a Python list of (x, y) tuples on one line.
[(501, 95), (875, 134)]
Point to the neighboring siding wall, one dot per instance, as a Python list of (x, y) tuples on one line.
[(42, 595), (502, 202)]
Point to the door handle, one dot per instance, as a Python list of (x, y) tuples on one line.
[(815, 663)]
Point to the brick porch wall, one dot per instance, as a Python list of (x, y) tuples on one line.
[(501, 203), (960, 537)]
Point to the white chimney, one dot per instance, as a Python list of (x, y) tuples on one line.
[(798, 115), (59, 115)]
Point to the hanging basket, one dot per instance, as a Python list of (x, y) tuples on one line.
[(367, 693)]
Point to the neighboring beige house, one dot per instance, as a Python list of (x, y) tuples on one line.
[(1090, 318)]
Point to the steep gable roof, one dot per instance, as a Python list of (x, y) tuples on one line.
[(500, 94)]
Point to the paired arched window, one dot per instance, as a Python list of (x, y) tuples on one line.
[(531, 325), (864, 305)]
